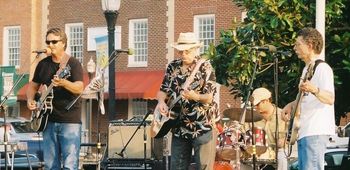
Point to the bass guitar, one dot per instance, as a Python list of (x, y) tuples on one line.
[(44, 103), (294, 125), (161, 125)]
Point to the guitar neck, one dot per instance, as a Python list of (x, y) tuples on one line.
[(298, 99), (46, 93)]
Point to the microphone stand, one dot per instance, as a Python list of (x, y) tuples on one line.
[(115, 56), (276, 108), (242, 118), (121, 153), (2, 105)]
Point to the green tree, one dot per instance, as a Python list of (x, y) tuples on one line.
[(276, 22)]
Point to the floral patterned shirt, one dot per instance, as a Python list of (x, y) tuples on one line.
[(194, 118)]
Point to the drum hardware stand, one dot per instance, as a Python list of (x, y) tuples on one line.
[(236, 144), (121, 153)]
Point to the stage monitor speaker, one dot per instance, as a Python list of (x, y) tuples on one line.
[(118, 136)]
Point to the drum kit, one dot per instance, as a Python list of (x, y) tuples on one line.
[(236, 146)]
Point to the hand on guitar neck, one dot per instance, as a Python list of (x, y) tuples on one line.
[(163, 108), (285, 113)]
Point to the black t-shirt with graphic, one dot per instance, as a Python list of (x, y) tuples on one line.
[(44, 73)]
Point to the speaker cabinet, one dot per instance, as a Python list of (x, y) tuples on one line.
[(120, 133)]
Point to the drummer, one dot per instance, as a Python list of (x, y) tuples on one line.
[(262, 100)]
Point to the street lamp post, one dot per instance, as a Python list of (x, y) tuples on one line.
[(110, 8)]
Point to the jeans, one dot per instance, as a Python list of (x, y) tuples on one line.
[(311, 150), (61, 145), (204, 153)]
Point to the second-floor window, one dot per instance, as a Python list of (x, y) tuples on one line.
[(12, 46), (75, 43), (138, 40), (204, 27)]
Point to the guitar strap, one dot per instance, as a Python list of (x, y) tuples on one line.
[(63, 63), (315, 65), (193, 73)]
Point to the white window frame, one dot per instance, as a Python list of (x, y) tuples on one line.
[(69, 39), (131, 59), (6, 59), (198, 31)]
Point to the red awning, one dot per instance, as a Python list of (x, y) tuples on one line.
[(138, 84), (129, 85)]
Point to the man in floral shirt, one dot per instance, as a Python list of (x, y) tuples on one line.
[(196, 108)]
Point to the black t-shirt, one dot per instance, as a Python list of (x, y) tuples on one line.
[(44, 73)]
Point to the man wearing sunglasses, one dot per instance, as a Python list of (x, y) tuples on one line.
[(62, 131)]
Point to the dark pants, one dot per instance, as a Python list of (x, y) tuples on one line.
[(204, 148)]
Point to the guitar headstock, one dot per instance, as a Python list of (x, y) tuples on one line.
[(65, 72)]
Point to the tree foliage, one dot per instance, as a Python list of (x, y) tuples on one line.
[(276, 22)]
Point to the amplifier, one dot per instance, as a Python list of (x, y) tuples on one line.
[(119, 134)]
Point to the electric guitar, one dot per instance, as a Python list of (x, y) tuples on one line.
[(44, 104), (294, 124), (161, 125)]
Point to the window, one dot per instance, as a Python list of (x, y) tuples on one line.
[(138, 40), (204, 27), (12, 46), (75, 43), (139, 108)]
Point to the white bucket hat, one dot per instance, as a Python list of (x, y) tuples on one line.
[(186, 41), (260, 94)]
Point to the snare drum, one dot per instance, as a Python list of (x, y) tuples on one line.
[(260, 141)]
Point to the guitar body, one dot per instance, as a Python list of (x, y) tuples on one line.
[(44, 105), (161, 125), (41, 115)]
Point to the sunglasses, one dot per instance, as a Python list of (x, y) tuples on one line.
[(52, 41)]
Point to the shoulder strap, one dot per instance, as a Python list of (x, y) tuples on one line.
[(63, 63), (315, 66), (194, 71), (316, 63)]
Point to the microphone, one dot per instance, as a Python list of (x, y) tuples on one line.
[(46, 50), (270, 48), (129, 51)]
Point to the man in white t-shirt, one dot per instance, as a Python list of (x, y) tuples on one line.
[(317, 120)]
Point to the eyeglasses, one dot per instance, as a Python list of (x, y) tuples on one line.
[(185, 51), (52, 41)]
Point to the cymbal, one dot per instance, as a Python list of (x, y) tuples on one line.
[(235, 114)]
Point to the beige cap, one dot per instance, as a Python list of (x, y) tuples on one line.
[(260, 94)]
